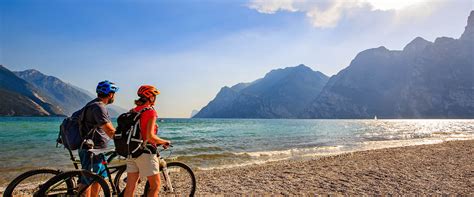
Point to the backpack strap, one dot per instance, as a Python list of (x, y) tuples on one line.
[(82, 120), (136, 119), (139, 113), (144, 144)]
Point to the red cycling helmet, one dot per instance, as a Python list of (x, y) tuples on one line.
[(147, 91)]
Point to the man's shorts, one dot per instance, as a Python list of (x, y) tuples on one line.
[(96, 165), (146, 164)]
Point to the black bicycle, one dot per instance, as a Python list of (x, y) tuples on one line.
[(29, 183), (177, 178), (60, 185)]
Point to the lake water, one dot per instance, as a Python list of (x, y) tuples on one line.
[(27, 143)]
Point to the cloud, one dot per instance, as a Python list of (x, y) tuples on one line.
[(271, 7), (329, 17), (328, 13)]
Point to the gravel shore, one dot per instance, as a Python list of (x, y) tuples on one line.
[(446, 168)]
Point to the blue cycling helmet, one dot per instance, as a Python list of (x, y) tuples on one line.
[(106, 87)]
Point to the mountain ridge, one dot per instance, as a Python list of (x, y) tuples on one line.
[(424, 80), (69, 97), (32, 93), (21, 98), (281, 93)]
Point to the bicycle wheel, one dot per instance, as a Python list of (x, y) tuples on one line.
[(183, 181), (57, 186), (120, 181), (29, 182)]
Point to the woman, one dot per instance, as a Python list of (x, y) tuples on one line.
[(147, 164)]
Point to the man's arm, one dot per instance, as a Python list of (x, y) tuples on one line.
[(109, 129), (102, 118)]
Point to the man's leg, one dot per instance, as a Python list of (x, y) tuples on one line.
[(154, 182), (99, 169), (132, 179), (86, 163)]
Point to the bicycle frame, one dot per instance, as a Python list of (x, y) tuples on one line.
[(108, 170), (166, 175), (115, 190)]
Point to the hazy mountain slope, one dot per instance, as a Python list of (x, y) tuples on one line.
[(282, 93), (19, 98), (69, 98), (425, 80)]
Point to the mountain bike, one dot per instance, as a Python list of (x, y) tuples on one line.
[(60, 185), (178, 180), (28, 183)]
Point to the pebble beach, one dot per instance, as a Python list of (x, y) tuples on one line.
[(445, 168)]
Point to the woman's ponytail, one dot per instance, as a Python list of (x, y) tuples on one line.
[(141, 101)]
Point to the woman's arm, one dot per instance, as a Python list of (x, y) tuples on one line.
[(151, 135)]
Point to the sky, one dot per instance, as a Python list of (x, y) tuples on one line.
[(190, 49)]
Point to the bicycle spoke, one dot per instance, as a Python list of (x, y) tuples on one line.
[(60, 187), (181, 182), (62, 184), (139, 188), (29, 182)]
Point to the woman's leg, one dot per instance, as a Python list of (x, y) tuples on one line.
[(154, 182), (132, 179)]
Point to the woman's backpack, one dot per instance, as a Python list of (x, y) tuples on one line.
[(127, 139)]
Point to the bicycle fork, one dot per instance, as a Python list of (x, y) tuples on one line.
[(166, 175)]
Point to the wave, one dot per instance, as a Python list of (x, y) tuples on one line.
[(291, 152), (235, 159), (239, 159)]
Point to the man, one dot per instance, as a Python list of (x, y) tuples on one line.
[(98, 129)]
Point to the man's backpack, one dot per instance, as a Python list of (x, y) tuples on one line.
[(71, 132), (128, 139)]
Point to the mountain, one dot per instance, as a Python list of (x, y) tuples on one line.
[(282, 93), (68, 97), (424, 80), (20, 98)]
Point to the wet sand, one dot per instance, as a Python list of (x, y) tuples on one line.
[(446, 168)]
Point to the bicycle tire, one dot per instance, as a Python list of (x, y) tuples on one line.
[(70, 176), (187, 169), (9, 191), (120, 182), (117, 179)]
